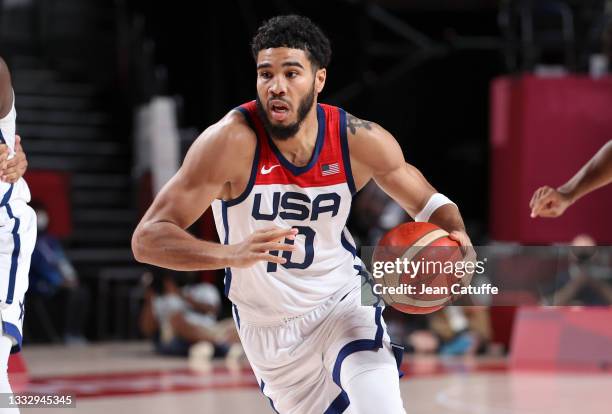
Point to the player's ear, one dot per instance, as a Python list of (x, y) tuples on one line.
[(320, 76)]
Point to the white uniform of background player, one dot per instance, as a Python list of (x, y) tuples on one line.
[(17, 239), (166, 305)]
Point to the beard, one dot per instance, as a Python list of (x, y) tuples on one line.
[(284, 132)]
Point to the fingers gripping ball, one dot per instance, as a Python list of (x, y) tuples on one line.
[(419, 268)]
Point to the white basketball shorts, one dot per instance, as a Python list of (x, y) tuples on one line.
[(299, 362)]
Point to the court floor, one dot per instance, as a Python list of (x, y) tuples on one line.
[(117, 378)]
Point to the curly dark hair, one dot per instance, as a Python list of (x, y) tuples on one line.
[(296, 32)]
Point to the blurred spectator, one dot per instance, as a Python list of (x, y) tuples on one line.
[(412, 332), (586, 281), (180, 315), (53, 278), (463, 330), (452, 331)]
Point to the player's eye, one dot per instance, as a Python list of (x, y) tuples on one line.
[(292, 74), (265, 75)]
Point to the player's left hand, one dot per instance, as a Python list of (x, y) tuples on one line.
[(17, 166)]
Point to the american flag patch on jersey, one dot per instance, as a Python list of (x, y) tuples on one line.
[(330, 169)]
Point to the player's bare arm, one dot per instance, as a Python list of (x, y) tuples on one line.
[(216, 166), (597, 172), (6, 89), (10, 170), (6, 103), (375, 154)]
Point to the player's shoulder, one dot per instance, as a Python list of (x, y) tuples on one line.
[(232, 129), (224, 150), (372, 146), (231, 134), (365, 134)]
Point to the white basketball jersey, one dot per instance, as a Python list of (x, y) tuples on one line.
[(316, 200), (19, 190)]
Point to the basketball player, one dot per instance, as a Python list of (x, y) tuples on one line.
[(17, 233), (597, 172), (280, 173)]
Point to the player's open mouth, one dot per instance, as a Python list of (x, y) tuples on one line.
[(279, 110)]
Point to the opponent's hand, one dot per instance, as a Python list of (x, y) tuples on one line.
[(257, 247), (4, 153), (548, 202), (17, 166)]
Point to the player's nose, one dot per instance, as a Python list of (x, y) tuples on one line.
[(278, 87)]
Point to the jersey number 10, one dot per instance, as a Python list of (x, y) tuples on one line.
[(309, 235)]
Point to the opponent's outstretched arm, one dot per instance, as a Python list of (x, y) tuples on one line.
[(597, 172), (376, 154), (161, 238)]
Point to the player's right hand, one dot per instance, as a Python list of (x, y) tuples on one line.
[(257, 247), (548, 202), (4, 154)]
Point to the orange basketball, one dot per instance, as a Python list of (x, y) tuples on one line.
[(418, 268)]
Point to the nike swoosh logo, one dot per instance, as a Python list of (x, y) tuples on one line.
[(265, 171)]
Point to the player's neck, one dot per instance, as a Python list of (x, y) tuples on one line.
[(299, 148)]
